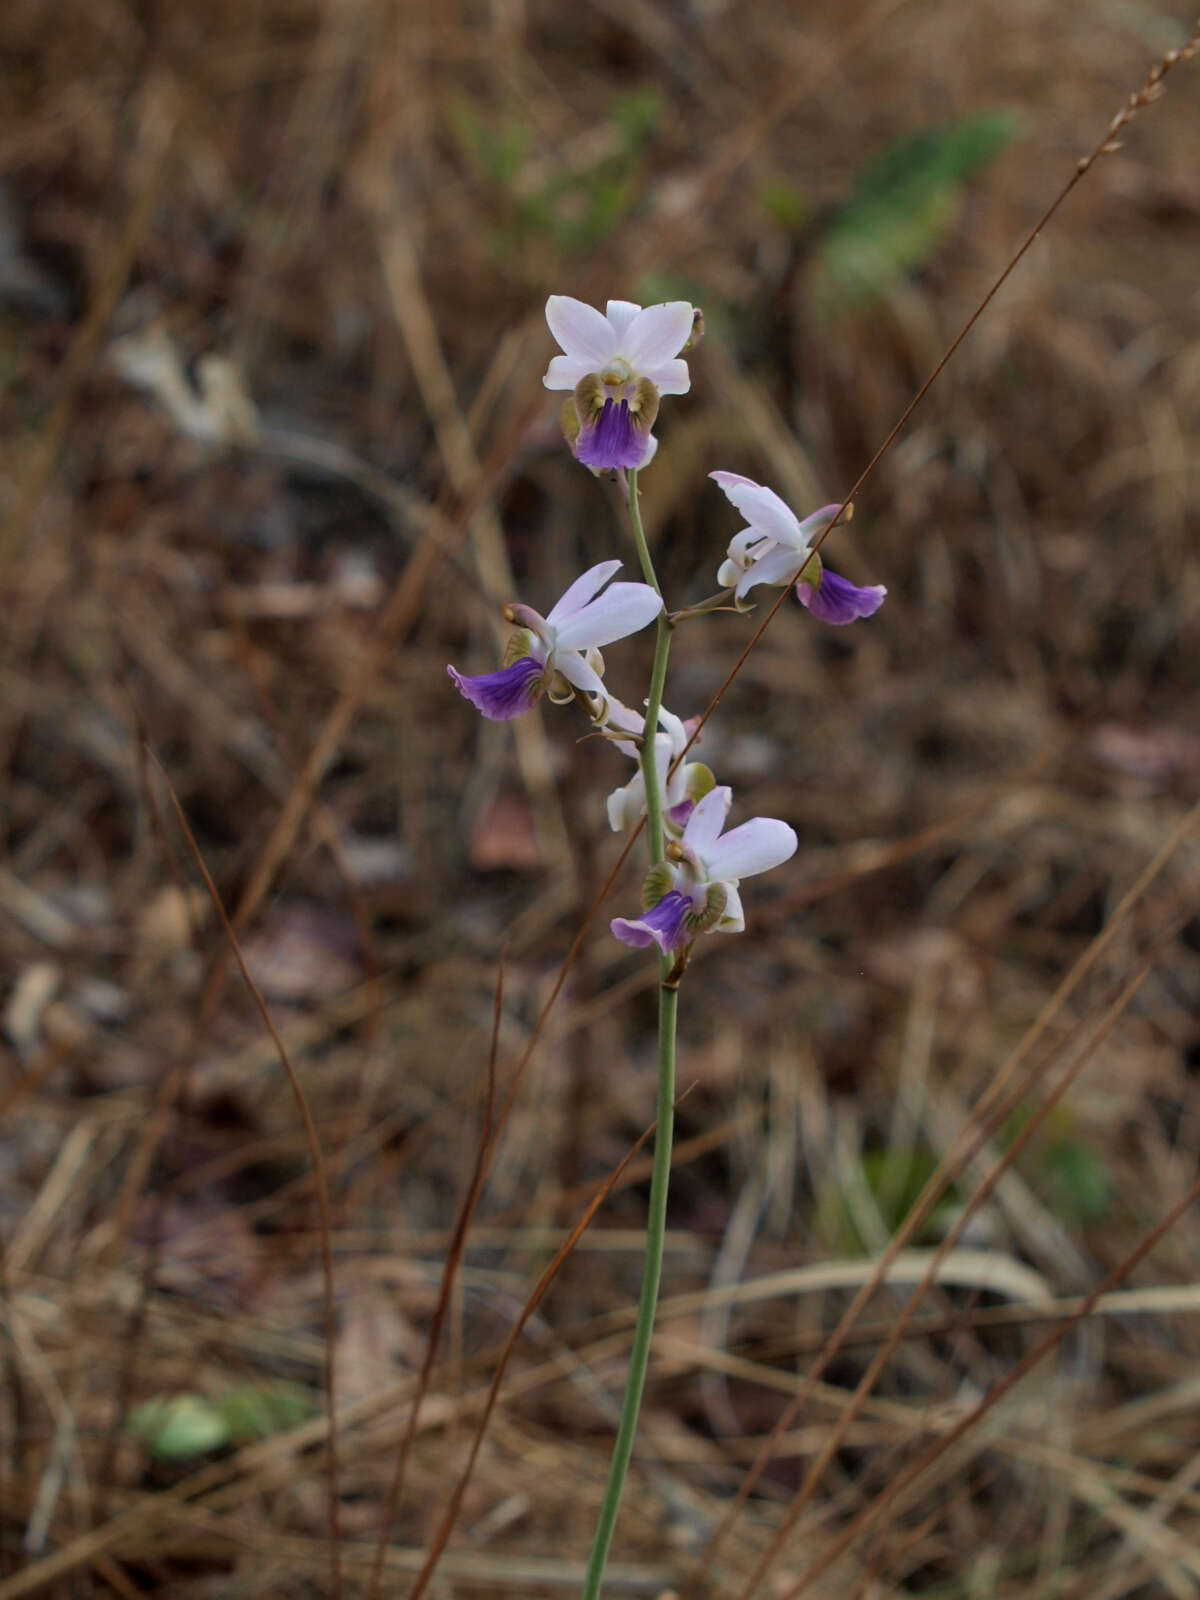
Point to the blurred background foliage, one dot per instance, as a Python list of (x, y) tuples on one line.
[(275, 448)]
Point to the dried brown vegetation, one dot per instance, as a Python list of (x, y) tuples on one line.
[(274, 447)]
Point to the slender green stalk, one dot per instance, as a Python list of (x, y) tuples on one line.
[(656, 1222), (658, 678)]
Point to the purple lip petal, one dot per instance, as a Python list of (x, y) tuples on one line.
[(661, 925), (613, 440), (502, 695), (677, 815), (839, 601)]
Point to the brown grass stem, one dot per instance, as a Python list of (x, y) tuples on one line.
[(318, 1166), (985, 1116), (453, 1259)]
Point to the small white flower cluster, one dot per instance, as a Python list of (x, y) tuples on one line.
[(616, 367)]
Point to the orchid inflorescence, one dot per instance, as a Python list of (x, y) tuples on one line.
[(617, 365)]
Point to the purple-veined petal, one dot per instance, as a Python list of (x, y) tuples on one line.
[(622, 609), (706, 822), (669, 377), (662, 925), (620, 314), (613, 439), (755, 846), (657, 335), (564, 372), (838, 601), (581, 330), (502, 695), (583, 590)]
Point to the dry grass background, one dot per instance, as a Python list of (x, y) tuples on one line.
[(274, 445)]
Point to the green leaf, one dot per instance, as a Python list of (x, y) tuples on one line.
[(903, 205), (784, 204), (257, 1410), (178, 1427), (1078, 1180)]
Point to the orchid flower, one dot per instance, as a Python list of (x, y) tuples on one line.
[(776, 548), (559, 654), (680, 791), (695, 889), (618, 365)]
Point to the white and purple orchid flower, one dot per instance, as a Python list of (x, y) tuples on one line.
[(680, 790), (618, 365), (775, 548), (695, 890), (559, 654)]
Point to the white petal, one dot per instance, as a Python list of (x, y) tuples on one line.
[(651, 452), (581, 591), (564, 372), (624, 717), (657, 334), (705, 823), (779, 565), (674, 727), (625, 806), (728, 573), (742, 543), (577, 672), (764, 510), (581, 330), (729, 480), (733, 918), (622, 609), (620, 314), (756, 846), (668, 377)]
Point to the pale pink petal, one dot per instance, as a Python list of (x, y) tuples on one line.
[(730, 480), (657, 334), (564, 372), (622, 609), (620, 314), (818, 521), (581, 591), (705, 823), (581, 330), (756, 846)]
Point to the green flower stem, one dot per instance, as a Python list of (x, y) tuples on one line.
[(656, 1222), (658, 678)]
